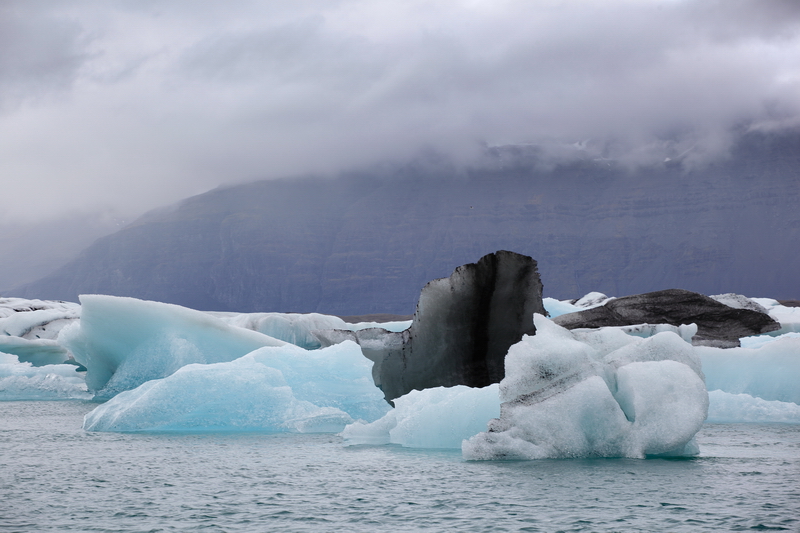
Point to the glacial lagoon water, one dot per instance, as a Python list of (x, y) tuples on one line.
[(56, 477)]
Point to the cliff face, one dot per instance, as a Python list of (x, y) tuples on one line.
[(368, 243)]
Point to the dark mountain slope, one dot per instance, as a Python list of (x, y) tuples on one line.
[(368, 242)]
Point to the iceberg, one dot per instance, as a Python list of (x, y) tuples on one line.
[(591, 300), (124, 342), (299, 328), (441, 417), (770, 371), (726, 407), (24, 381), (272, 389), (788, 317), (36, 319), (598, 393), (29, 329), (461, 330)]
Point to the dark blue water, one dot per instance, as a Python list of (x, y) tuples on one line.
[(56, 477)]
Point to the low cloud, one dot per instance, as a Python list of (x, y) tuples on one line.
[(131, 105)]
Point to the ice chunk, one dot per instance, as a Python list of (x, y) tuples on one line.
[(788, 317), (562, 307), (38, 352), (770, 372), (35, 319), (725, 407), (757, 341), (243, 395), (298, 329), (684, 331), (272, 389), (737, 301), (432, 418), (556, 308), (28, 329), (338, 376), (293, 328), (599, 393), (124, 342), (592, 299), (23, 381)]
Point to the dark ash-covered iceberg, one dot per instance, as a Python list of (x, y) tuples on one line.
[(461, 330)]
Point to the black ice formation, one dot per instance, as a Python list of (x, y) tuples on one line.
[(461, 330), (717, 324)]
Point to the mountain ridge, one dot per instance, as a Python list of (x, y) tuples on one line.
[(366, 242)]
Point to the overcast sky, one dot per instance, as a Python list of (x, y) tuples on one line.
[(128, 105)]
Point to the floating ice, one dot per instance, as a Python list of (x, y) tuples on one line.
[(556, 308), (23, 381), (273, 389), (725, 407), (298, 328), (600, 393), (28, 329), (737, 301), (789, 317), (757, 341), (124, 342), (38, 352), (770, 372), (35, 319), (338, 376), (441, 417)]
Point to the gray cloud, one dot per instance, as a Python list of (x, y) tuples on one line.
[(168, 100), (39, 53)]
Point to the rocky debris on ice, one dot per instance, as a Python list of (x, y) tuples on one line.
[(718, 324)]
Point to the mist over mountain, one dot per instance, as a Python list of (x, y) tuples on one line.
[(367, 241)]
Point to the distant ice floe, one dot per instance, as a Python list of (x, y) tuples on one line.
[(789, 317), (29, 329), (726, 407), (23, 381), (770, 372), (273, 389), (556, 308), (297, 329)]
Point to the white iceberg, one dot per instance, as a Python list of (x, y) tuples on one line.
[(24, 381), (597, 394), (441, 417), (29, 329), (299, 328)]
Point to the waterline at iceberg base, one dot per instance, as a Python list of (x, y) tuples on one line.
[(629, 390), (294, 436), (565, 394)]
